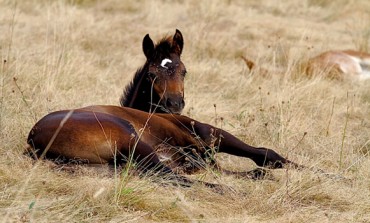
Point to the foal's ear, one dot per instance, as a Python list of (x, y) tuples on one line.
[(178, 42), (148, 46)]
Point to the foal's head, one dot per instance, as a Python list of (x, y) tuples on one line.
[(166, 72)]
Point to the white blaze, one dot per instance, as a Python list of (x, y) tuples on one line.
[(164, 62)]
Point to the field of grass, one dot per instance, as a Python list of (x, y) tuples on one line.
[(73, 53)]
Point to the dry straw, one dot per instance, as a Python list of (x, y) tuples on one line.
[(67, 54)]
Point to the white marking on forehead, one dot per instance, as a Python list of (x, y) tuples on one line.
[(164, 62)]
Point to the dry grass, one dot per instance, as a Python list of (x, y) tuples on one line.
[(68, 54)]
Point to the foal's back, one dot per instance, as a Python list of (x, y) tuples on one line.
[(109, 130)]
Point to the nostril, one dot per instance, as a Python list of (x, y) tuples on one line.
[(174, 103), (169, 103)]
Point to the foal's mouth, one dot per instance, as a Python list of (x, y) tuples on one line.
[(176, 110), (169, 110)]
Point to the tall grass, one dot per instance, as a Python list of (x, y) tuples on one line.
[(68, 54)]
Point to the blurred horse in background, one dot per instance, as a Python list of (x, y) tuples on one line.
[(340, 65)]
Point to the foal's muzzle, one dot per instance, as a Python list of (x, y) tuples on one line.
[(175, 104)]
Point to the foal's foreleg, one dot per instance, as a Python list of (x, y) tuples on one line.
[(228, 143), (255, 174)]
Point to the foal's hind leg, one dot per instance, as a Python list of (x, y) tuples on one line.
[(255, 174), (148, 159), (149, 162)]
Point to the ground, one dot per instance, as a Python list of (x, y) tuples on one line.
[(68, 54)]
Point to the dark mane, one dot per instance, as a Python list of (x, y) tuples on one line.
[(131, 90)]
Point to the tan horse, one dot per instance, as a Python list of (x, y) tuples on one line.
[(340, 65)]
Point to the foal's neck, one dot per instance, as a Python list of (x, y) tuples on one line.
[(139, 94)]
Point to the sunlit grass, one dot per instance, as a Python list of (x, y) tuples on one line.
[(68, 54)]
